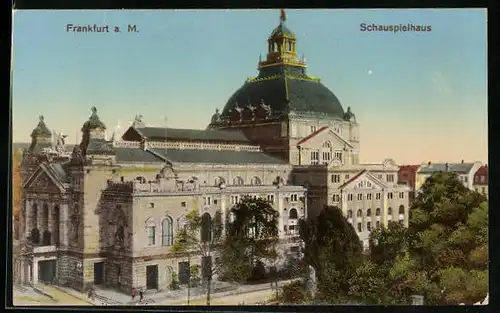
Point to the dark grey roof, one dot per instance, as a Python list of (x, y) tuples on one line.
[(296, 92), (136, 155), (218, 157), (60, 171), (41, 129), (192, 134), (441, 167), (281, 30), (93, 122), (100, 146)]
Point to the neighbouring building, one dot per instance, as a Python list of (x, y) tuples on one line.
[(481, 180), (464, 170), (407, 175), (106, 211)]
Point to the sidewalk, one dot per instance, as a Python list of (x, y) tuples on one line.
[(62, 296)]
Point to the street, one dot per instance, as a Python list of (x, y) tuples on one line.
[(249, 298), (60, 297)]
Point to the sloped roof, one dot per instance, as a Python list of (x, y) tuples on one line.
[(218, 157), (462, 168), (133, 155), (311, 135), (192, 134)]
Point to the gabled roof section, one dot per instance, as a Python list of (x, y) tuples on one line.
[(320, 131), (368, 175), (160, 133), (55, 172)]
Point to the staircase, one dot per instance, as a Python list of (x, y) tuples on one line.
[(106, 301)]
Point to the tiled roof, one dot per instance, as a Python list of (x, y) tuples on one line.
[(480, 173), (218, 157), (443, 167), (312, 135), (136, 155), (412, 168), (193, 134)]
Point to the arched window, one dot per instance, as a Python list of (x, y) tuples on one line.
[(206, 227), (256, 181), (56, 218), (292, 214), (167, 232), (349, 214), (377, 212), (326, 152), (237, 181), (359, 213), (389, 211), (219, 181), (45, 215), (401, 209), (369, 212), (34, 218)]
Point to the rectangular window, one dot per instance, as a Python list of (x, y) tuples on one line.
[(326, 156), (346, 176), (314, 157), (313, 129), (151, 235), (466, 179), (336, 198), (270, 198), (183, 204), (369, 226), (377, 196), (389, 195), (234, 199), (335, 178), (151, 205), (379, 176), (360, 227), (338, 155), (294, 197), (390, 178), (377, 224), (369, 196), (360, 196), (401, 195), (349, 197)]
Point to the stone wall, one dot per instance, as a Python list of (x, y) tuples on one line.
[(67, 272)]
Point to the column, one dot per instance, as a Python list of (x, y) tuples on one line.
[(63, 224), (384, 208), (223, 209), (27, 219), (35, 271), (280, 210), (39, 217), (50, 222)]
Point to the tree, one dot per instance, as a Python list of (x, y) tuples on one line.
[(16, 192), (202, 236), (443, 253), (252, 235), (333, 249)]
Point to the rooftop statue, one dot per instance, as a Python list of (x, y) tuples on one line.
[(349, 116), (216, 118)]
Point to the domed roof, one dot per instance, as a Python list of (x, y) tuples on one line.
[(41, 129), (93, 122), (281, 30), (287, 93)]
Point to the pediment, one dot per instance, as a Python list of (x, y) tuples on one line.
[(42, 180), (364, 180), (327, 135)]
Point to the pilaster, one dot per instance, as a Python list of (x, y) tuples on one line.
[(281, 212)]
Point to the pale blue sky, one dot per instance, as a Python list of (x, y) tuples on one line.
[(426, 97)]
